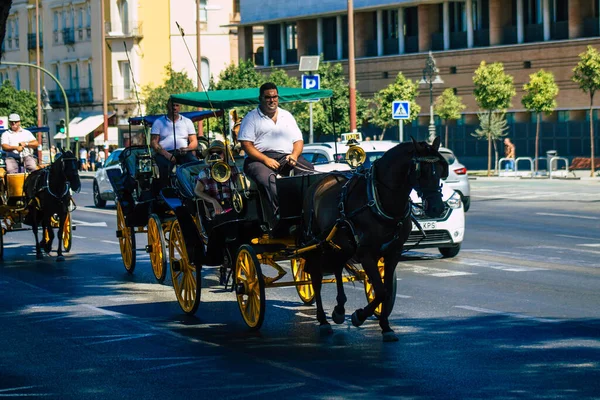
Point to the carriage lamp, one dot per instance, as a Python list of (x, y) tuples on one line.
[(143, 165), (355, 156)]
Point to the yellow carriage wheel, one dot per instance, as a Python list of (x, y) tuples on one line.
[(370, 293), (250, 287), (306, 291), (126, 237), (67, 236), (157, 248), (185, 275)]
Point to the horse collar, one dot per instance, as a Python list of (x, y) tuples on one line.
[(67, 187)]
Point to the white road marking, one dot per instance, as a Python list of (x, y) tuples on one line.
[(97, 211), (247, 392), (576, 237), (79, 237), (110, 241), (437, 272), (4, 392), (96, 224), (492, 265), (567, 216), (115, 338), (590, 245), (574, 249), (507, 314)]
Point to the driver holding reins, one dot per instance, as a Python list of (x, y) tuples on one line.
[(272, 141), (173, 139), (19, 144)]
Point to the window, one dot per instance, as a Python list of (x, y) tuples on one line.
[(205, 73), (90, 80), (57, 74), (17, 80), (203, 11), (70, 73), (126, 79), (76, 76), (80, 18), (291, 38), (124, 14), (236, 6), (56, 17), (88, 12)]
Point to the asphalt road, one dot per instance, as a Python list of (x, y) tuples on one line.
[(514, 315)]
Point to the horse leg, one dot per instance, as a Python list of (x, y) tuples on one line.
[(34, 226), (47, 227), (388, 303), (61, 224), (370, 266), (339, 312), (317, 282)]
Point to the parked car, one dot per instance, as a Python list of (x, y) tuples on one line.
[(458, 178), (445, 233), (102, 189)]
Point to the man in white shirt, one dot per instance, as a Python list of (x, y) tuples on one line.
[(272, 141), (173, 140), (19, 145)]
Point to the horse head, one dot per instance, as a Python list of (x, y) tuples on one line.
[(428, 167), (67, 163)]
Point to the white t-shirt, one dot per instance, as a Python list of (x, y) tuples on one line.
[(13, 138), (267, 135), (163, 127)]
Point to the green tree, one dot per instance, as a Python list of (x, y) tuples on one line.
[(380, 111), (243, 75), (21, 102), (449, 107), (494, 90), (494, 127), (587, 75), (175, 83), (540, 96)]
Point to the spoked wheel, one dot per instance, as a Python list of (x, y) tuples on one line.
[(126, 237), (306, 291), (185, 275), (67, 236), (250, 287), (157, 248), (370, 293)]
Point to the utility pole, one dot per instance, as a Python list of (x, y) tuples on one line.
[(351, 66), (199, 59), (104, 79), (38, 77)]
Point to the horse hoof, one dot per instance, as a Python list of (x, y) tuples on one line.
[(338, 318), (355, 320), (390, 337), (60, 259), (325, 329)]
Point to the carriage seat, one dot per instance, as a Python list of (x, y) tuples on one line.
[(186, 177)]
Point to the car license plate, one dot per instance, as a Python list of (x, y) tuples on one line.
[(355, 136), (426, 225)]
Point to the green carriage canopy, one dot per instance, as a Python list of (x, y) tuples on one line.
[(226, 99)]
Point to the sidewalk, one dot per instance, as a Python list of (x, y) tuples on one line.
[(87, 175), (583, 175)]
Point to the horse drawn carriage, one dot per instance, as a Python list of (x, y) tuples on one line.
[(41, 197), (253, 236), (140, 208)]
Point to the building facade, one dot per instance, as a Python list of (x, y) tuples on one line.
[(141, 39), (394, 36)]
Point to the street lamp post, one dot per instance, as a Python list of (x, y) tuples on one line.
[(431, 77)]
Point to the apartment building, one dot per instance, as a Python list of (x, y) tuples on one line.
[(397, 35), (141, 38)]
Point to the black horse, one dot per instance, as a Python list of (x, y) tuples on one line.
[(47, 195), (370, 213)]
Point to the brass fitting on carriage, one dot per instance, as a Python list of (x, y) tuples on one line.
[(268, 260)]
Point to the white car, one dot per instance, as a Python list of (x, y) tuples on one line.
[(445, 233), (458, 178), (102, 189)]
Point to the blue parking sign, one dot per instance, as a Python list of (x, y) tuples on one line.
[(401, 109), (311, 82)]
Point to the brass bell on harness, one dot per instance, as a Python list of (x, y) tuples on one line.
[(355, 156)]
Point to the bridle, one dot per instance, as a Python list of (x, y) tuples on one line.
[(62, 160)]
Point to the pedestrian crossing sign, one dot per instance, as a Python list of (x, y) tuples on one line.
[(401, 109)]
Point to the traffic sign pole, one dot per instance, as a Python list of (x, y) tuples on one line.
[(400, 131), (310, 134)]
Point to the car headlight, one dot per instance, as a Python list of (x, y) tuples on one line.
[(417, 211), (454, 201)]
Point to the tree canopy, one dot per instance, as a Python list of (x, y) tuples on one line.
[(22, 102), (540, 92), (587, 72), (448, 106), (175, 83), (380, 111), (494, 89)]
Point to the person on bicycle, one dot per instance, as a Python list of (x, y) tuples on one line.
[(216, 194), (19, 145), (272, 141), (173, 140)]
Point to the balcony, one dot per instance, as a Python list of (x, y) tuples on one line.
[(31, 41), (86, 95), (534, 33), (437, 41), (55, 98), (73, 96), (509, 35), (559, 30), (458, 40), (591, 27), (481, 38), (68, 36), (411, 44), (128, 29)]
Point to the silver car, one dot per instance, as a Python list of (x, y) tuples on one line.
[(103, 190), (458, 178)]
